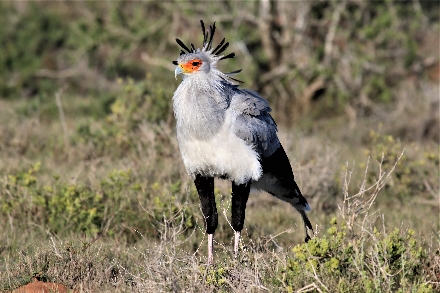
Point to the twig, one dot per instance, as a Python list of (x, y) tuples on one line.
[(308, 288), (264, 28), (430, 190), (328, 47), (55, 247), (317, 279), (60, 74), (301, 22), (277, 71), (62, 117), (355, 205), (288, 231)]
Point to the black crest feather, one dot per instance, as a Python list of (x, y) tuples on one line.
[(205, 35), (218, 46), (211, 37), (208, 37), (236, 80), (231, 55), (234, 72), (222, 49), (181, 44)]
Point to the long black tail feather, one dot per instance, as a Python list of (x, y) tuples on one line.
[(307, 224)]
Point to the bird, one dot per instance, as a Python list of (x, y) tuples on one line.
[(227, 132)]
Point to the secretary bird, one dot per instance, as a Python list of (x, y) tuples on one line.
[(227, 132)]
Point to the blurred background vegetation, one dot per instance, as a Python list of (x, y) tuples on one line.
[(88, 147), (320, 60)]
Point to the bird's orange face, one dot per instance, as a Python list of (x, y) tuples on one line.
[(191, 66)]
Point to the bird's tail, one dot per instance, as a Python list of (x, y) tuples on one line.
[(307, 224), (292, 195), (299, 202)]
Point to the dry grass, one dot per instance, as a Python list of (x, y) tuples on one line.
[(173, 257), (93, 193)]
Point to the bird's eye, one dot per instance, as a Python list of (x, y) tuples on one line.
[(196, 63)]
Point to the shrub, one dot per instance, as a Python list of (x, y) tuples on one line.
[(112, 209)]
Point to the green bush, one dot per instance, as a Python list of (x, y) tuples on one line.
[(32, 40), (115, 208), (97, 43), (387, 149), (370, 262), (136, 102)]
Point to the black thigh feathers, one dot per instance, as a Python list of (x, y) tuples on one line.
[(205, 189)]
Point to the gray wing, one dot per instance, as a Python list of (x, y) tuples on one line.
[(253, 122)]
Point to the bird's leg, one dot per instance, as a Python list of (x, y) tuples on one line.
[(237, 235), (240, 195), (210, 248), (205, 189)]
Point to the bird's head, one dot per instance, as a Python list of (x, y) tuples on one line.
[(191, 63), (203, 61)]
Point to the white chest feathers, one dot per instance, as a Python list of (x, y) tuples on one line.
[(222, 154)]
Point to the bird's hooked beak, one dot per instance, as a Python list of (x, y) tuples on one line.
[(178, 70)]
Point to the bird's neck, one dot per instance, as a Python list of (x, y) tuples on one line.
[(208, 83), (202, 90), (199, 106)]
